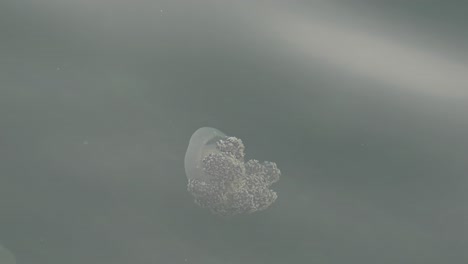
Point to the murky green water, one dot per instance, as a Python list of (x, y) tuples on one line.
[(362, 106)]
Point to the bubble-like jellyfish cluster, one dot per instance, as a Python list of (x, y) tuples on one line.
[(220, 180)]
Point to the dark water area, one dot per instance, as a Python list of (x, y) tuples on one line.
[(363, 107)]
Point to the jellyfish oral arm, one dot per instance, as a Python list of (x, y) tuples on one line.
[(220, 180)]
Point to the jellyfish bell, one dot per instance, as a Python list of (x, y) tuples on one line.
[(6, 257), (202, 143)]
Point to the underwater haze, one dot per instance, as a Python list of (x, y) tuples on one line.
[(363, 106)]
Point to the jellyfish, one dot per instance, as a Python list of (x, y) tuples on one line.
[(6, 257), (221, 180)]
